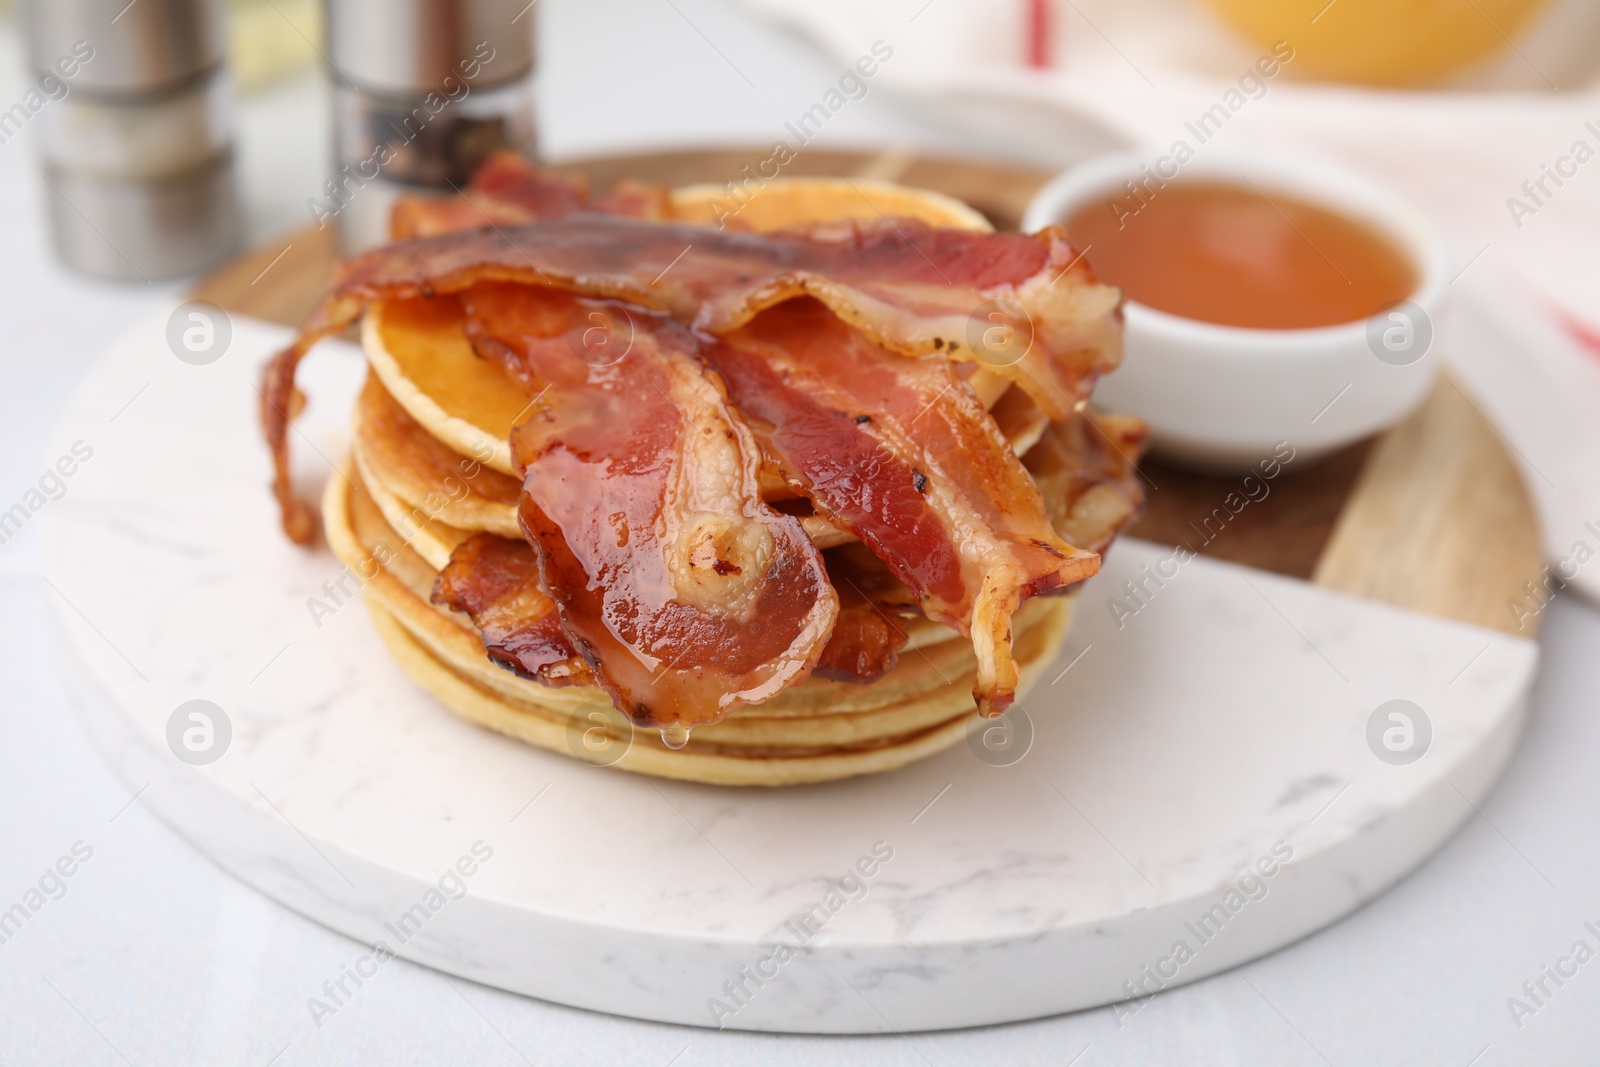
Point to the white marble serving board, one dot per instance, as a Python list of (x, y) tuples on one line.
[(1226, 720)]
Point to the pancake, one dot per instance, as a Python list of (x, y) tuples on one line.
[(816, 731), (785, 203), (430, 466)]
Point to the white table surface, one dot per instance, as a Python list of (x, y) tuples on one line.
[(154, 956)]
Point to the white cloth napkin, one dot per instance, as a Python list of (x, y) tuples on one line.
[(1144, 71)]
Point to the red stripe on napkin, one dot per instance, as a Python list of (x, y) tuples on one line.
[(1038, 32)]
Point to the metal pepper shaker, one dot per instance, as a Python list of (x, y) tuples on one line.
[(136, 136), (424, 90)]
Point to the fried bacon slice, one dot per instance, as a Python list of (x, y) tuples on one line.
[(868, 635), (901, 453), (495, 580), (507, 190), (1087, 469), (637, 200), (912, 288), (865, 643), (685, 594)]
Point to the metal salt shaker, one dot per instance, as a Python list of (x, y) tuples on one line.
[(424, 90), (135, 132)]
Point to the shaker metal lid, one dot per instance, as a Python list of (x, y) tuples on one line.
[(140, 47), (412, 46)]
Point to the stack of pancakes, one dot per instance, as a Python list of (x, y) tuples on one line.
[(430, 467)]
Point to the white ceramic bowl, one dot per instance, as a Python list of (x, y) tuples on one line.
[(1223, 397)]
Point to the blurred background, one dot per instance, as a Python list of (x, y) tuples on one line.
[(1462, 106), (624, 74), (1455, 102)]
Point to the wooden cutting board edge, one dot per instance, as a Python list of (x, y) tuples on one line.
[(1438, 520)]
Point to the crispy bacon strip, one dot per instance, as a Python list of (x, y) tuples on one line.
[(495, 580), (683, 591), (865, 643), (506, 190), (637, 200), (912, 288), (901, 453), (867, 638), (1087, 469)]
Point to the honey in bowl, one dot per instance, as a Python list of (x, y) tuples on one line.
[(1241, 256)]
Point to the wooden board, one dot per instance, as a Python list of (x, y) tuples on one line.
[(1430, 516)]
